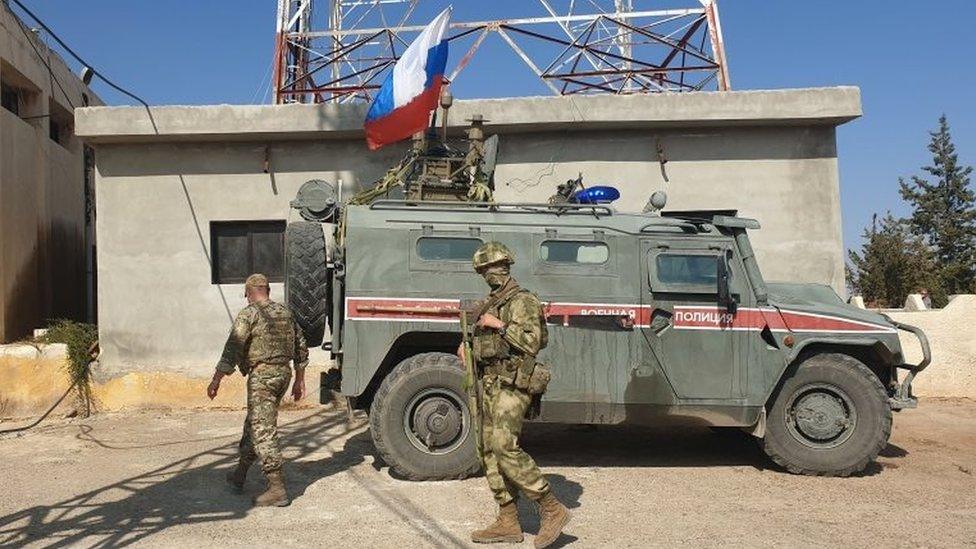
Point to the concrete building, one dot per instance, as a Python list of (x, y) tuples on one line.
[(174, 181), (43, 206)]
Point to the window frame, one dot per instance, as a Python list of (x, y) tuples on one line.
[(8, 91), (577, 264), (249, 225), (686, 256), (466, 261), (608, 269), (419, 264), (659, 286)]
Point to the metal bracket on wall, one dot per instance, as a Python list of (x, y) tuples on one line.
[(661, 158)]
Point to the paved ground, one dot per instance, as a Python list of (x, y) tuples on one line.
[(156, 478)]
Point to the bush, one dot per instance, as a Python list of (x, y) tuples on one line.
[(81, 339)]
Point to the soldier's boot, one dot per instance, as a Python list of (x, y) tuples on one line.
[(275, 494), (237, 476), (505, 529), (554, 517)]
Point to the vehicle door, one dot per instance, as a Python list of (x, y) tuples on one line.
[(689, 334), (577, 275)]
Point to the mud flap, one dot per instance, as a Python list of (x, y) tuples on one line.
[(758, 429)]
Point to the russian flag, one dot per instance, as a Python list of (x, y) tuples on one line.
[(412, 89)]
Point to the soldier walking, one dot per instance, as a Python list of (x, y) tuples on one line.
[(262, 342), (509, 333)]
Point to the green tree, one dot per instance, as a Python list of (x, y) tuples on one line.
[(892, 264), (944, 212)]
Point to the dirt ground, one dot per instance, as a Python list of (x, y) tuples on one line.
[(156, 478)]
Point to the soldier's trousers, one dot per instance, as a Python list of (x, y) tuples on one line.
[(266, 385), (507, 467)]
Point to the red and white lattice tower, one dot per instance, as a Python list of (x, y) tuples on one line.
[(340, 50)]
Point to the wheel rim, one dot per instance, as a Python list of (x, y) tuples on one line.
[(436, 422), (821, 415)]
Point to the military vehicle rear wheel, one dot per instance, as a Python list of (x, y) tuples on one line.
[(307, 277), (830, 418), (419, 419)]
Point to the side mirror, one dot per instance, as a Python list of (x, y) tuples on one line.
[(725, 297)]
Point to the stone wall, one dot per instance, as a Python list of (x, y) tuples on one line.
[(34, 378), (952, 337)]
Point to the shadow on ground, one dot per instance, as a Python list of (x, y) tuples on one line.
[(666, 446), (191, 490), (179, 493)]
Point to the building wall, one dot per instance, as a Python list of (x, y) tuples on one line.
[(949, 330), (42, 188), (157, 194)]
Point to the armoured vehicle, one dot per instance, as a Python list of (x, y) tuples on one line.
[(653, 317)]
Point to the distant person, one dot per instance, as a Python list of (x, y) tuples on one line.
[(262, 342), (510, 332), (926, 298)]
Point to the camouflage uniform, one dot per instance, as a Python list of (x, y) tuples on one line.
[(506, 356), (264, 339), (507, 467)]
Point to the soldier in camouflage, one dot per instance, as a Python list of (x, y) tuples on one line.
[(262, 342), (511, 328)]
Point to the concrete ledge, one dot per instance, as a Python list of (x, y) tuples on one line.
[(949, 330), (32, 384), (814, 106)]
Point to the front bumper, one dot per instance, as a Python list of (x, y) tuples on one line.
[(903, 398)]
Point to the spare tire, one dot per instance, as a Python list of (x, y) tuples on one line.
[(307, 277)]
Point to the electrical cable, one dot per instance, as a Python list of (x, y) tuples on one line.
[(44, 61), (93, 352), (78, 57), (43, 417)]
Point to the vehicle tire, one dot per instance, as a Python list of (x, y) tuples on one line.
[(419, 420), (830, 417), (307, 277)]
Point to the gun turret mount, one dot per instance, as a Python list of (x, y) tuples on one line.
[(436, 169)]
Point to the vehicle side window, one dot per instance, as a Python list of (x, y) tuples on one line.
[(574, 252), (447, 248), (688, 270)]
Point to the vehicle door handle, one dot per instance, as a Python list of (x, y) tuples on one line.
[(661, 321)]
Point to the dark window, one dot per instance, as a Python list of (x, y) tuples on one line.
[(240, 248), (696, 270), (55, 130), (10, 99), (447, 249), (580, 252)]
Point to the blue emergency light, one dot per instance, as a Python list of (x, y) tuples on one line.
[(596, 195)]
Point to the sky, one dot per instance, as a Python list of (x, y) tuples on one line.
[(913, 62)]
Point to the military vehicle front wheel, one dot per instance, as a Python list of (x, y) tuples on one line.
[(831, 417), (419, 419)]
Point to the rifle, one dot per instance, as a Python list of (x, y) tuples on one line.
[(471, 384)]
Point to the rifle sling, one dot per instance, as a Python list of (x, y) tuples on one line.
[(511, 288)]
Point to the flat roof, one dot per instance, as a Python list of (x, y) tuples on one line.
[(804, 106)]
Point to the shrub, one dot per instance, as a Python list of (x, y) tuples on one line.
[(81, 339)]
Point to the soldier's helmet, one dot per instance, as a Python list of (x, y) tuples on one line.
[(256, 280), (491, 253)]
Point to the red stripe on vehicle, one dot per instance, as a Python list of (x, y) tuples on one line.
[(689, 317), (797, 321), (639, 313), (715, 318)]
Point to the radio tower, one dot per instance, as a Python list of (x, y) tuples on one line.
[(340, 50)]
